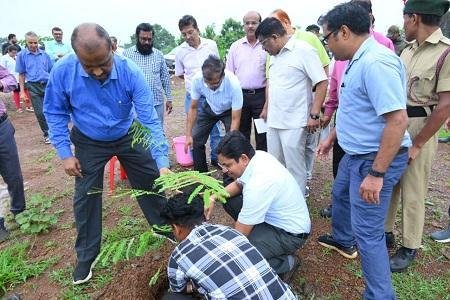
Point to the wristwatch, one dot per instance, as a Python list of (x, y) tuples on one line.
[(314, 116), (374, 173)]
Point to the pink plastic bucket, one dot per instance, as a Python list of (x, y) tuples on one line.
[(184, 159)]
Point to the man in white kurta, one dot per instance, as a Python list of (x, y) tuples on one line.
[(294, 70)]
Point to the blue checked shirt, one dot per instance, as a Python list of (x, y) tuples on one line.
[(222, 264), (155, 72)]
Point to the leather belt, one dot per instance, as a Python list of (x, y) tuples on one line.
[(3, 117), (372, 155), (302, 236), (418, 111), (254, 91)]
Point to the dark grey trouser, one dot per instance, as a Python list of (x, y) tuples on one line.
[(180, 296), (251, 109), (206, 120), (93, 155), (274, 243), (37, 92), (10, 167)]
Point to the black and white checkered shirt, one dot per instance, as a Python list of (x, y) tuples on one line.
[(155, 72), (222, 264)]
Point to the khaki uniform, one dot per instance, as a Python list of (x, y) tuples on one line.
[(412, 189)]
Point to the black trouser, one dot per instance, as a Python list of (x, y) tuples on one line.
[(93, 156), (274, 243), (251, 109), (206, 119), (10, 166), (37, 92), (168, 295)]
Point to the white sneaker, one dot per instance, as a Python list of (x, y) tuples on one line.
[(46, 140)]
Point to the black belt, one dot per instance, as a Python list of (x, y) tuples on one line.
[(254, 91), (372, 155), (3, 118), (43, 83), (417, 111), (302, 236)]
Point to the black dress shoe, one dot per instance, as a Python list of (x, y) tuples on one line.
[(390, 240), (401, 260), (326, 212)]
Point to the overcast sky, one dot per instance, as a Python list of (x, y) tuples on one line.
[(120, 17)]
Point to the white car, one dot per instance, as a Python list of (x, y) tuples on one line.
[(170, 60)]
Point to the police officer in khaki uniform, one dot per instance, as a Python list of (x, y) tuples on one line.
[(428, 107)]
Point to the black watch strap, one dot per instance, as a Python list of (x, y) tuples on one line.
[(374, 173), (314, 117)]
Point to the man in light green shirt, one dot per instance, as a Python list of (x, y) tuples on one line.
[(56, 48)]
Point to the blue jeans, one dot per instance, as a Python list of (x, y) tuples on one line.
[(160, 110), (214, 136), (358, 222)]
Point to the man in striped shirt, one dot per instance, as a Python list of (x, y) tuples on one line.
[(151, 61), (215, 261)]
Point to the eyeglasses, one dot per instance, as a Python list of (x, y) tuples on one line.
[(325, 38), (263, 42)]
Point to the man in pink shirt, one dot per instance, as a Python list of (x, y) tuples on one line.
[(333, 99), (247, 60)]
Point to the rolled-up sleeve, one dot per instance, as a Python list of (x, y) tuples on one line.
[(8, 80)]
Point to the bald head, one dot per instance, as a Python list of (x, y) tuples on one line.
[(89, 37), (252, 14), (251, 21)]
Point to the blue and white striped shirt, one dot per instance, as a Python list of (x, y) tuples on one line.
[(155, 72), (227, 96)]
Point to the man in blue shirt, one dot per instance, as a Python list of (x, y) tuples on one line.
[(152, 63), (224, 100), (33, 66), (371, 129), (100, 93)]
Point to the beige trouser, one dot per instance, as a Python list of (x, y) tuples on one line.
[(412, 190)]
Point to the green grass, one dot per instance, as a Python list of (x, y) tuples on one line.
[(15, 267), (443, 133), (413, 286), (126, 210), (354, 267), (63, 277), (47, 157)]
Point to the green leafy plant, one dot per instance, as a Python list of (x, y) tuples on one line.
[(154, 278), (15, 268), (127, 248), (142, 135), (34, 219)]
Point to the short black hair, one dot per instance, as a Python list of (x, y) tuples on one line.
[(56, 29), (212, 65), (429, 20), (366, 4), (313, 27), (11, 36), (234, 144), (187, 20), (144, 27), (351, 14), (178, 211), (11, 48), (270, 26)]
